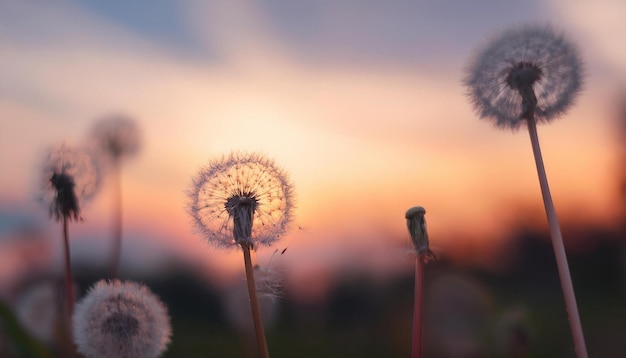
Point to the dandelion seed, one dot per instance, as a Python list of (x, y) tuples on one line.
[(269, 283), (121, 320), (70, 176), (528, 69), (242, 198)]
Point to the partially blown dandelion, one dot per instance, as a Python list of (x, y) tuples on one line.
[(531, 75), (116, 137), (69, 177), (246, 200), (121, 320)]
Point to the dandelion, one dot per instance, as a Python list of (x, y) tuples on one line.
[(70, 176), (526, 71), (246, 200), (39, 308), (121, 320), (459, 313), (416, 223), (531, 75), (512, 333), (36, 308), (116, 137)]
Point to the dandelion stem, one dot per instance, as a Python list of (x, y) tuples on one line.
[(416, 348), (117, 223), (557, 244), (254, 303), (69, 290), (69, 293)]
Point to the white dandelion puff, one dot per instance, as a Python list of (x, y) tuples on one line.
[(121, 320), (241, 199), (531, 68)]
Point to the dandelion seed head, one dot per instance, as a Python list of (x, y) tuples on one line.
[(530, 57), (38, 308), (70, 176), (242, 198), (122, 320), (269, 283), (117, 136)]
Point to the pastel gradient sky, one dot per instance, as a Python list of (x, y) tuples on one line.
[(360, 102)]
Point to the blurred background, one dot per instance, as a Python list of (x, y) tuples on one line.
[(361, 103)]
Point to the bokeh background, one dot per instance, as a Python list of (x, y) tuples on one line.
[(361, 103)]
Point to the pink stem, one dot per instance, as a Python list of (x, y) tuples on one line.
[(254, 303), (69, 290), (559, 249), (117, 224), (416, 347)]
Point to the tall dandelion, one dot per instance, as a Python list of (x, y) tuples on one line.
[(121, 320), (116, 138), (416, 223), (242, 200), (70, 176), (531, 75)]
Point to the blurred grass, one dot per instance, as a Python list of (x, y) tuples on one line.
[(363, 317)]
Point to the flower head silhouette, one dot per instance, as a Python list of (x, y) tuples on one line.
[(69, 176), (528, 70), (241, 199), (121, 320), (117, 136)]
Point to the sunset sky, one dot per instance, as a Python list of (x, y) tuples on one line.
[(360, 102)]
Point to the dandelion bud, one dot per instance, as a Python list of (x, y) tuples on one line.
[(416, 224), (121, 320)]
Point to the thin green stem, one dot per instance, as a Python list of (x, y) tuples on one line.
[(557, 244), (254, 303)]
